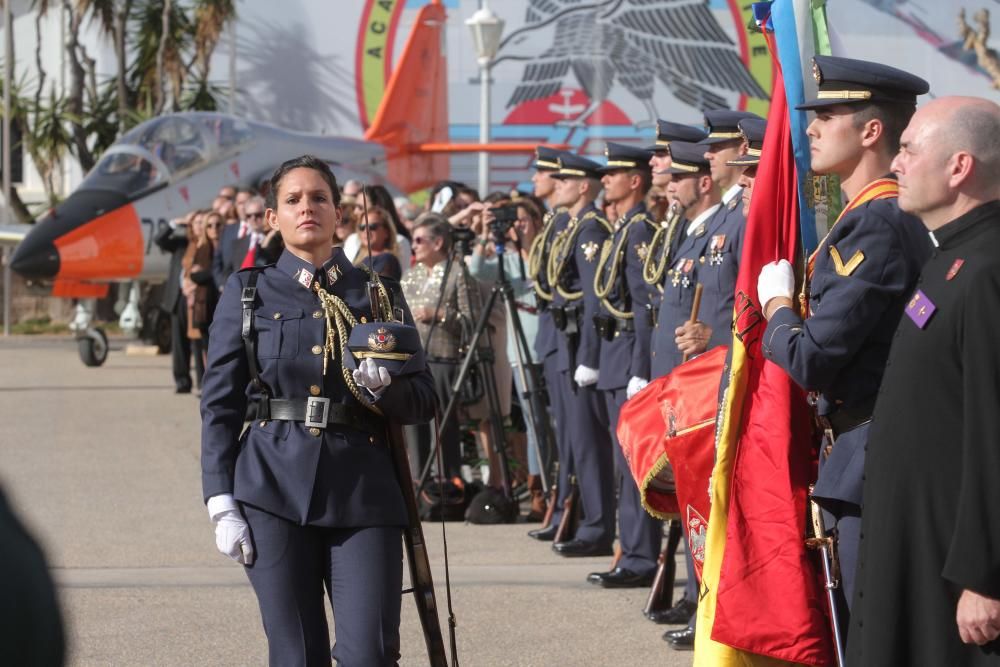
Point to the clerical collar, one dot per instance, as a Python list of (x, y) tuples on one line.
[(702, 217), (961, 227)]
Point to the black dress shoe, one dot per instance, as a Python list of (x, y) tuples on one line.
[(621, 577), (544, 534), (676, 615), (682, 640), (580, 548), (595, 578)]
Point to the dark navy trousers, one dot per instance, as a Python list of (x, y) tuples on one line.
[(361, 570), (556, 388), (586, 428), (639, 534)]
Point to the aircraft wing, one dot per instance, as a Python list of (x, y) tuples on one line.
[(13, 234)]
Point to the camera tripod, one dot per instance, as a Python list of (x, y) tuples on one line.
[(533, 402)]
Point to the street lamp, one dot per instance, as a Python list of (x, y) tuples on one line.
[(486, 29)]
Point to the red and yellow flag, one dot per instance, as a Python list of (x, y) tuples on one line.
[(761, 598)]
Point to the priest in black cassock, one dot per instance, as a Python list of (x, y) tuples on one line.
[(928, 578)]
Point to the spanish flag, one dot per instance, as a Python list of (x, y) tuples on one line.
[(761, 599)]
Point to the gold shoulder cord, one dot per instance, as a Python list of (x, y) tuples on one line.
[(566, 247), (607, 250), (339, 322), (656, 260), (536, 254)]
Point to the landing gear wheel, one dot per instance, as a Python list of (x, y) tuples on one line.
[(93, 347)]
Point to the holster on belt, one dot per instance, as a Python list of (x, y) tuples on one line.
[(652, 314), (605, 325)]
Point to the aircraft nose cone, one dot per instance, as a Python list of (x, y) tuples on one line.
[(36, 259)]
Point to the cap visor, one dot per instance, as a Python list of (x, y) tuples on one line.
[(744, 161), (718, 140), (821, 104)]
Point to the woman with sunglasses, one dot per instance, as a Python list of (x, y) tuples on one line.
[(378, 244), (376, 196), (198, 285)]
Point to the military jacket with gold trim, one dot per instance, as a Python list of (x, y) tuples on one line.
[(336, 476), (679, 283), (577, 279), (547, 341), (717, 270), (626, 355)]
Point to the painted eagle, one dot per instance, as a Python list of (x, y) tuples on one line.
[(633, 42)]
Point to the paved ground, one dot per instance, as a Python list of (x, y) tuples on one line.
[(102, 463)]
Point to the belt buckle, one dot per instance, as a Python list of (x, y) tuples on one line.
[(317, 411)]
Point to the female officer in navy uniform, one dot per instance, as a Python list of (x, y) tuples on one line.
[(306, 497)]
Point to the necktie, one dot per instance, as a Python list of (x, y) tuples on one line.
[(251, 256), (243, 229)]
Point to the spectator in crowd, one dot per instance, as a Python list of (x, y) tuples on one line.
[(443, 318), (484, 265), (259, 245), (378, 244), (376, 195), (351, 188), (200, 288), (234, 227), (172, 239), (407, 212), (196, 234), (347, 224)]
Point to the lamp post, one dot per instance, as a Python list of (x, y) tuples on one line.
[(486, 29)]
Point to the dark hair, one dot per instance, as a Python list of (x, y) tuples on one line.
[(497, 197), (438, 226), (302, 162), (894, 117), (646, 178)]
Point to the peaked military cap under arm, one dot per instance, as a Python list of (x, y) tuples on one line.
[(547, 159), (850, 81), (621, 156), (752, 130), (572, 165), (724, 125), (687, 158), (667, 132)]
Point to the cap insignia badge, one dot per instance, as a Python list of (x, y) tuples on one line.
[(381, 340), (817, 74)]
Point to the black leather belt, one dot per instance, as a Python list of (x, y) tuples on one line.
[(319, 412), (607, 325), (846, 419)]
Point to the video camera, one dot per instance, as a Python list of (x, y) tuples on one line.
[(504, 218)]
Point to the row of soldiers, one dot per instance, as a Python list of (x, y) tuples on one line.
[(621, 306)]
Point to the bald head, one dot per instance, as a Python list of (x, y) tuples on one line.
[(948, 159)]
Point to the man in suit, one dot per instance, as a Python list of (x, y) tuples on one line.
[(173, 240), (259, 246)]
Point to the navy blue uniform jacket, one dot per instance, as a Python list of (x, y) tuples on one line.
[(627, 354), (333, 477), (864, 273), (588, 234)]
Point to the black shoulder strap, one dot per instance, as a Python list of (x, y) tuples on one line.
[(248, 299)]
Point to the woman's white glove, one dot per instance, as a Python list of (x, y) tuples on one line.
[(585, 376), (232, 537), (372, 377), (775, 279), (635, 385)]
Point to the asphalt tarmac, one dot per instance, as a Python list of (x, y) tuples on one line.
[(103, 466)]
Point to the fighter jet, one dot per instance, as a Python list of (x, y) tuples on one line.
[(104, 231)]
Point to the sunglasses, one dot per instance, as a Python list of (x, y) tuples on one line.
[(365, 226), (420, 240), (254, 215)]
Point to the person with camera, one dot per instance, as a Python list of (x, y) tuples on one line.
[(442, 313), (514, 226)]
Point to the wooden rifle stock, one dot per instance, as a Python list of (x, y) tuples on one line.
[(567, 526), (695, 307), (416, 553), (661, 593)]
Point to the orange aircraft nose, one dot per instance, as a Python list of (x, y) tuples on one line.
[(92, 235)]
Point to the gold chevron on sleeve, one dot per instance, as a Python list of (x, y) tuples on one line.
[(847, 269)]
